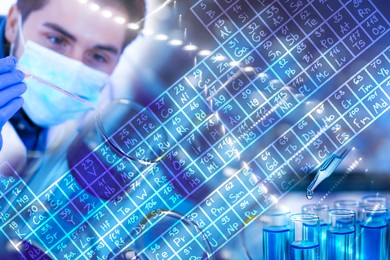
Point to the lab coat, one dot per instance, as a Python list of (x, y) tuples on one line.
[(53, 159), (14, 152), (17, 156)]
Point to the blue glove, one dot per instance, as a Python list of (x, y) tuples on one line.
[(11, 87)]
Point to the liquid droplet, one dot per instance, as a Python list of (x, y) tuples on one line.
[(309, 194)]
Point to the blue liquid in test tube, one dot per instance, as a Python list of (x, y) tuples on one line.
[(276, 233), (373, 240), (341, 235), (304, 251), (337, 240), (353, 205), (323, 235), (275, 239), (321, 210), (304, 233)]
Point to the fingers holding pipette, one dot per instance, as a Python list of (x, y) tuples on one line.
[(10, 75), (11, 89)]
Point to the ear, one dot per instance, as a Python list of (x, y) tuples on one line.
[(11, 27)]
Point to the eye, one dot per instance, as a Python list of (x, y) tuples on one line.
[(97, 57), (100, 59), (57, 43), (55, 40)]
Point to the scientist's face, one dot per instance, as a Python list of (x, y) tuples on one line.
[(74, 30)]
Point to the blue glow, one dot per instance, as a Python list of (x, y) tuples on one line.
[(304, 251), (221, 161), (323, 238), (370, 250), (341, 245), (275, 241)]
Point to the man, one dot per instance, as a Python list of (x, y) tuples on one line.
[(73, 44)]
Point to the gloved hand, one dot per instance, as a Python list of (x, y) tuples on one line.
[(11, 87)]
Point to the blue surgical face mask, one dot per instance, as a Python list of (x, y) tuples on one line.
[(45, 106)]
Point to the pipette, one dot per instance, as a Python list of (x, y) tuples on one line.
[(107, 116), (325, 170), (29, 75)]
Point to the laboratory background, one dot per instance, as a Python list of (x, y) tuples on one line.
[(240, 129)]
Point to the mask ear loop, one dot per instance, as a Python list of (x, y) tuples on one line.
[(20, 36), (20, 30), (12, 49)]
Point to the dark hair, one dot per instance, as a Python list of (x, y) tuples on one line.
[(135, 10)]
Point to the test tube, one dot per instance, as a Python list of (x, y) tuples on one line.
[(304, 236), (321, 210), (379, 201), (373, 238), (353, 205), (341, 235), (276, 233), (375, 201)]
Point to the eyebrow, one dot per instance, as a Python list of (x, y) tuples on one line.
[(108, 48), (67, 34), (60, 30)]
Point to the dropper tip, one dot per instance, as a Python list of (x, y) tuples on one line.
[(309, 194)]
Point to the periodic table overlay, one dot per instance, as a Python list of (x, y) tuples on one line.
[(218, 124)]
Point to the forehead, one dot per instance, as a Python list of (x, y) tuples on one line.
[(83, 21)]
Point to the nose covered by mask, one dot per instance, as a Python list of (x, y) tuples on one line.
[(46, 106)]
